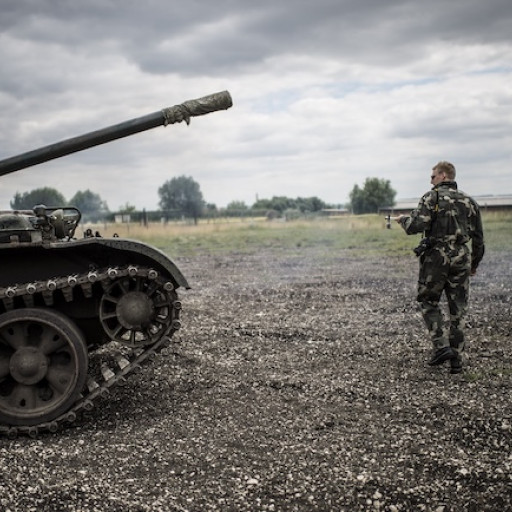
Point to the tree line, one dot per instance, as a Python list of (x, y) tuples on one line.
[(182, 196), (90, 204)]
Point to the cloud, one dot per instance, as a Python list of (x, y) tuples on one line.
[(325, 94)]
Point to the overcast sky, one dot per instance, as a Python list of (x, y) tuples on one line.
[(326, 93)]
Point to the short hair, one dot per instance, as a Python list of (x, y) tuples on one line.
[(446, 167)]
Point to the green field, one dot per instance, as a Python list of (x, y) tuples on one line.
[(364, 235)]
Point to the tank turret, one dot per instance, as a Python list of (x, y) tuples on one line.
[(78, 316)]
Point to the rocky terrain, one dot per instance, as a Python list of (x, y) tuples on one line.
[(298, 383)]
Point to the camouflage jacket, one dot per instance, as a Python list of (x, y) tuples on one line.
[(448, 216)]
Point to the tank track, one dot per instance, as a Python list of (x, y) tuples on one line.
[(127, 361)]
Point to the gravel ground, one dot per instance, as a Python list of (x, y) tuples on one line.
[(298, 383)]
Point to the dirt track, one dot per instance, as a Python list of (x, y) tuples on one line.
[(299, 383)]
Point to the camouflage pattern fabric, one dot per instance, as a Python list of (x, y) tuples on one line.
[(444, 268), (450, 219)]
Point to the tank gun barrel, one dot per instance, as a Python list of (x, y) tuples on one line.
[(176, 114)]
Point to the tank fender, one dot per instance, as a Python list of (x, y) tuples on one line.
[(131, 246)]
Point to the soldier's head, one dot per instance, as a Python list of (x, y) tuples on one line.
[(445, 169)]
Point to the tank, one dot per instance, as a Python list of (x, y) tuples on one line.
[(79, 315)]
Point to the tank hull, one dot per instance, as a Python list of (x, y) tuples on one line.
[(97, 295)]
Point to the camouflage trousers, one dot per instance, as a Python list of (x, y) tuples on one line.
[(445, 269)]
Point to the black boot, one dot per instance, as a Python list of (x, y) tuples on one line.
[(441, 355)]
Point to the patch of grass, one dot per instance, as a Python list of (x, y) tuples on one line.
[(498, 230), (474, 376)]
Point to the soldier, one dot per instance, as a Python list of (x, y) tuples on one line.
[(450, 219)]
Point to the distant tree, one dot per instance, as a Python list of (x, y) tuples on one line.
[(282, 204), (182, 193), (375, 194), (237, 205), (278, 203), (357, 199), (262, 204), (236, 209), (90, 204), (310, 204), (46, 195), (210, 210)]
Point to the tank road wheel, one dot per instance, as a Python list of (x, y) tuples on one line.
[(43, 365), (137, 311)]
